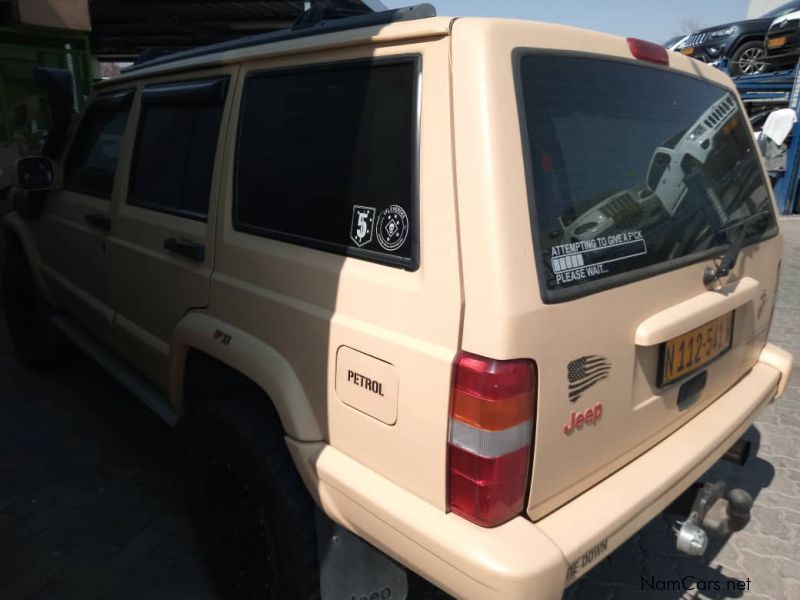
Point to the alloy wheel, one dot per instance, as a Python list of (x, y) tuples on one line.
[(750, 61)]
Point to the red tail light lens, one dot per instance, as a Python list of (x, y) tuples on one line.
[(648, 51), (491, 435)]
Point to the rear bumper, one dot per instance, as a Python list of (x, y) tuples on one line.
[(521, 559)]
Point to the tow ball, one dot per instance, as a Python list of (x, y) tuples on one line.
[(712, 513)]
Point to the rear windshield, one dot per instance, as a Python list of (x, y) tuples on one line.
[(633, 170)]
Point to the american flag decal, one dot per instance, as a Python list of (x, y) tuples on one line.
[(584, 372)]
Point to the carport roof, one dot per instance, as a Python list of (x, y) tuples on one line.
[(128, 28)]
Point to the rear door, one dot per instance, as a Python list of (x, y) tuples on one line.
[(638, 176), (633, 179), (74, 226), (161, 251)]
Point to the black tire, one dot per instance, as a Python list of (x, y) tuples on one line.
[(35, 341), (745, 60), (252, 515)]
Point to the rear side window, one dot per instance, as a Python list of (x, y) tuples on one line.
[(173, 160), (327, 158), (91, 163), (632, 170)]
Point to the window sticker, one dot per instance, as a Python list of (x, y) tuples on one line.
[(362, 226), (616, 148), (392, 228), (586, 259), (349, 109)]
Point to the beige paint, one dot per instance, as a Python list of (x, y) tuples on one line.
[(252, 357), (696, 311), (520, 559), (293, 319), (367, 384), (73, 257), (504, 316), (779, 359), (146, 315)]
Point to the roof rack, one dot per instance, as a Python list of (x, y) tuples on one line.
[(310, 23)]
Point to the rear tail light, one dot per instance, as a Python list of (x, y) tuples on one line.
[(643, 50), (491, 434)]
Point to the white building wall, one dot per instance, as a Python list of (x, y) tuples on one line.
[(756, 8)]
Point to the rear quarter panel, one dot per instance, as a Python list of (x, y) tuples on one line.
[(307, 304)]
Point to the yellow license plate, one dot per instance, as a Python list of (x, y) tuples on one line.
[(687, 51), (776, 42), (692, 350)]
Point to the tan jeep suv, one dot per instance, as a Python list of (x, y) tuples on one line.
[(491, 294)]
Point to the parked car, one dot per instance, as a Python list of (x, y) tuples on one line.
[(783, 42), (665, 186), (326, 256), (674, 42), (741, 42)]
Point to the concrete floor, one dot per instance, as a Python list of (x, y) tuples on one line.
[(91, 497)]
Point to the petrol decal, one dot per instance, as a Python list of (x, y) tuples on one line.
[(367, 384), (392, 228), (362, 226), (372, 385), (586, 559), (577, 419), (584, 372)]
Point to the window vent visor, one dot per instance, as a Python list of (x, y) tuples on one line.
[(207, 90), (490, 437)]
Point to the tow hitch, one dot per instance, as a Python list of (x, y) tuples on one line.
[(712, 513)]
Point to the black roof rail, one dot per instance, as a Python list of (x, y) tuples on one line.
[(309, 24)]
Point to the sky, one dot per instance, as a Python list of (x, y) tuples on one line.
[(655, 20)]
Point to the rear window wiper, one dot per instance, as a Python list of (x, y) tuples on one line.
[(736, 231)]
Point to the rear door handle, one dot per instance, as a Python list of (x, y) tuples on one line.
[(99, 220), (186, 248)]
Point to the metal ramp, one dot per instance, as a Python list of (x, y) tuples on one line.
[(762, 94)]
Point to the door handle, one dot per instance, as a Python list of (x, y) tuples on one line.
[(99, 220), (186, 248)]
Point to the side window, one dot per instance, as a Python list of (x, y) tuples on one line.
[(327, 158), (91, 162), (175, 148)]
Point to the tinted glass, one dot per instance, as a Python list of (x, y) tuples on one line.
[(632, 168), (326, 158), (174, 156), (91, 163)]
